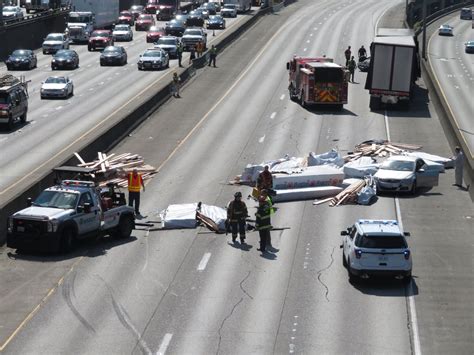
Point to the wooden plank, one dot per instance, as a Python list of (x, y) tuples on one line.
[(79, 158)]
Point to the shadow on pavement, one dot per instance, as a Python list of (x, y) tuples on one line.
[(386, 287), (240, 246)]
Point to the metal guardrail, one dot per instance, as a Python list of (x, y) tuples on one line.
[(435, 16), (35, 16)]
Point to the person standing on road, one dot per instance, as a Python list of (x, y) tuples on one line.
[(192, 54), (212, 56), (347, 54), (176, 85), (236, 214), (265, 179), (362, 52), (458, 166), (135, 183), (352, 66), (199, 48), (179, 51), (263, 223)]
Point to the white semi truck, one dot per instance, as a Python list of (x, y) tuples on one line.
[(394, 68), (86, 16), (242, 5)]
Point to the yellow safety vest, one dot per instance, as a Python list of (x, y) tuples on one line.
[(134, 182)]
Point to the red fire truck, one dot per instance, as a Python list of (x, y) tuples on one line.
[(318, 81)]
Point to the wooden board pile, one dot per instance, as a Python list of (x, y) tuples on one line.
[(114, 168), (380, 149), (346, 196)]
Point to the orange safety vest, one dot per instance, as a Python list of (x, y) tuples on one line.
[(134, 182)]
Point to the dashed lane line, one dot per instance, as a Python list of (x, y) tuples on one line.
[(205, 259)]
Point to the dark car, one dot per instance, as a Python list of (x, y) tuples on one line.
[(165, 13), (13, 101), (181, 17), (137, 10), (126, 18), (113, 55), (175, 28), (169, 44), (469, 47), (22, 59), (144, 22), (195, 19), (216, 22), (65, 59), (210, 7), (154, 34), (100, 39)]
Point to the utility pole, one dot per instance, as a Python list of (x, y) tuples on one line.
[(423, 46)]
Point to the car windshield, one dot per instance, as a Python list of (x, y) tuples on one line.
[(380, 242), (9, 9), (171, 42), (54, 37), (55, 80), (57, 199), (229, 6), (4, 98), (175, 23), (63, 53), (121, 28), (137, 8), (99, 34), (152, 54), (20, 53), (145, 17), (398, 165), (193, 32), (154, 29), (79, 19), (126, 13), (111, 50)]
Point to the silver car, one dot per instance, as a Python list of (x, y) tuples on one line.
[(401, 173), (153, 58), (54, 42), (169, 44), (122, 32), (12, 13), (57, 86)]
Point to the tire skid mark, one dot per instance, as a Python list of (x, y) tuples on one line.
[(223, 322), (320, 272), (68, 293)]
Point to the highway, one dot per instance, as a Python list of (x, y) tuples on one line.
[(99, 92), (194, 292), (453, 68)]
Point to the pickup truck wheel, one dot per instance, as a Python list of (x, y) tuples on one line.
[(11, 123), (125, 227), (352, 277), (67, 241), (344, 261), (23, 117)]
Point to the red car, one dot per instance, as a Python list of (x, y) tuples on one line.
[(126, 17), (152, 6), (154, 34), (100, 39), (144, 22)]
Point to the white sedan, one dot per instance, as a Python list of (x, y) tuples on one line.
[(445, 30), (57, 86), (401, 173), (122, 32)]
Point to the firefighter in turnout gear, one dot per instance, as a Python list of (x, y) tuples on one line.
[(236, 214), (263, 223)]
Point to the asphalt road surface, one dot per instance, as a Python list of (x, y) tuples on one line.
[(454, 70), (98, 92), (194, 292)]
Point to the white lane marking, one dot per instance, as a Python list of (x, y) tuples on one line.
[(272, 116), (205, 259), (282, 97), (311, 35), (411, 298), (164, 344), (304, 50), (58, 108), (261, 139), (89, 65), (145, 265), (308, 41), (102, 83)]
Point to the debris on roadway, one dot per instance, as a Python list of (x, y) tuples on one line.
[(114, 169)]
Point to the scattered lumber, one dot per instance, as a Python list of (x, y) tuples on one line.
[(115, 168), (381, 148), (346, 196)]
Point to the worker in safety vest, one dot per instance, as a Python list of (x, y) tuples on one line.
[(263, 223), (135, 183), (236, 214)]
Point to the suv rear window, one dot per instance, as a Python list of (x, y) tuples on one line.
[(4, 98), (380, 242)]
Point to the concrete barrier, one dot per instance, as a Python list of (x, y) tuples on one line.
[(111, 130)]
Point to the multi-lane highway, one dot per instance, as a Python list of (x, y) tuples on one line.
[(453, 68), (194, 292), (99, 91)]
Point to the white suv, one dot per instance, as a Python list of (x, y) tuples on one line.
[(376, 247)]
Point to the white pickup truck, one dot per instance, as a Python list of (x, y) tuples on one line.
[(67, 212)]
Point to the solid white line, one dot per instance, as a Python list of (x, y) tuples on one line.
[(272, 116), (261, 139), (411, 298), (202, 265), (282, 97), (164, 344)]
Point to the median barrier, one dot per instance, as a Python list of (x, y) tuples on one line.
[(107, 133)]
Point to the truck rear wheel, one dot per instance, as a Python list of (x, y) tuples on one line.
[(124, 228), (67, 241), (374, 103), (302, 101)]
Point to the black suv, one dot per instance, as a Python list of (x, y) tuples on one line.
[(13, 100)]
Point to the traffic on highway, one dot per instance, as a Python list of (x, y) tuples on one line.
[(237, 179)]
